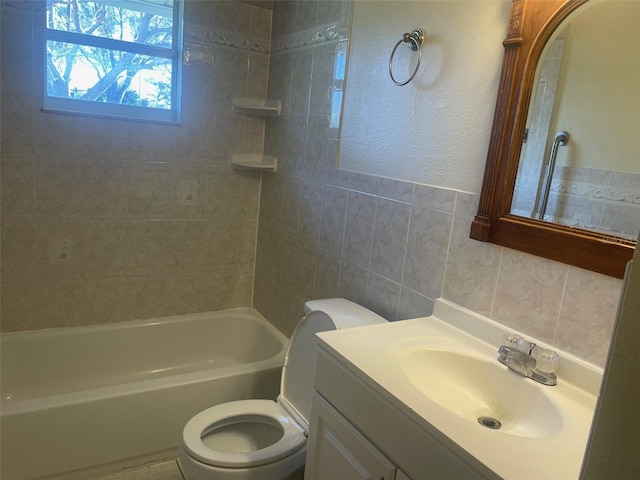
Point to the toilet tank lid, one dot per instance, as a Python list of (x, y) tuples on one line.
[(343, 312)]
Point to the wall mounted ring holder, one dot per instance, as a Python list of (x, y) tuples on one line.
[(415, 39)]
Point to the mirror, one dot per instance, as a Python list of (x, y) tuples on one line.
[(585, 209), (588, 176)]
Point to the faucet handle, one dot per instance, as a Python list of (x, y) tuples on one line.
[(546, 360), (518, 343)]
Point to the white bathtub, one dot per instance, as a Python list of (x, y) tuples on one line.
[(88, 400)]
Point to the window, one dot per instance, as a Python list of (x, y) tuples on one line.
[(118, 58)]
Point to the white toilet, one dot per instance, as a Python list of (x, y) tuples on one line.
[(263, 439)]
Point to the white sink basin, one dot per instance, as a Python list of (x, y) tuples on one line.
[(472, 388), (442, 373)]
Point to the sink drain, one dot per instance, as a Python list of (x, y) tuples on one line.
[(489, 422)]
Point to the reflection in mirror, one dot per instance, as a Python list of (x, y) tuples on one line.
[(534, 26), (580, 159)]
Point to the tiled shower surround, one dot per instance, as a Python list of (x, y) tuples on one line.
[(107, 220), (112, 196)]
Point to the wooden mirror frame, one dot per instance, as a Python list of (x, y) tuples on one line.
[(531, 25)]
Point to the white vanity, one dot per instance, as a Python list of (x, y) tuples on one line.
[(402, 400)]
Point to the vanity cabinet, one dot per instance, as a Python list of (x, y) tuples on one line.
[(337, 451), (357, 433)]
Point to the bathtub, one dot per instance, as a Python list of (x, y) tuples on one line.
[(83, 401)]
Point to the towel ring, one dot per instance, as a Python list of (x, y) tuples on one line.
[(415, 40)]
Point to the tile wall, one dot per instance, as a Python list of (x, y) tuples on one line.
[(601, 200), (106, 194), (392, 246), (108, 220)]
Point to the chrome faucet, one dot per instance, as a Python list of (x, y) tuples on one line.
[(527, 359)]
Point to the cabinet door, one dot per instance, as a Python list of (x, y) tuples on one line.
[(337, 451)]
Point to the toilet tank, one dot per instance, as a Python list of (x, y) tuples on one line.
[(344, 313), (296, 387)]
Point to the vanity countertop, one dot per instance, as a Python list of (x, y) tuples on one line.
[(378, 355)]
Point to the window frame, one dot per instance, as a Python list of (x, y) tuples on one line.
[(74, 106)]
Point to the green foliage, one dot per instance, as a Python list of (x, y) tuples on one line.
[(77, 70)]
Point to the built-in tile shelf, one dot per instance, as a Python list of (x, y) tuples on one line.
[(256, 106), (254, 161)]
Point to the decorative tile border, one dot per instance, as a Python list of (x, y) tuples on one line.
[(199, 42), (307, 38), (598, 192), (613, 198), (604, 201), (226, 39)]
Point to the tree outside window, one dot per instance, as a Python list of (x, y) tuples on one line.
[(123, 54)]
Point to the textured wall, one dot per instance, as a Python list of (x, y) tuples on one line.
[(392, 246), (110, 190), (433, 130)]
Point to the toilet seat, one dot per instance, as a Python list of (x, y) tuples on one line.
[(262, 439), (265, 411)]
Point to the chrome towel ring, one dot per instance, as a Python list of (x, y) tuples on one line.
[(415, 39)]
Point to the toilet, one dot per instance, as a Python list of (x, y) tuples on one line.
[(263, 439)]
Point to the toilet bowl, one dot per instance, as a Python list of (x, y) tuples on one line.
[(263, 439)]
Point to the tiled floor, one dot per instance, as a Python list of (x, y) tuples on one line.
[(167, 470)]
